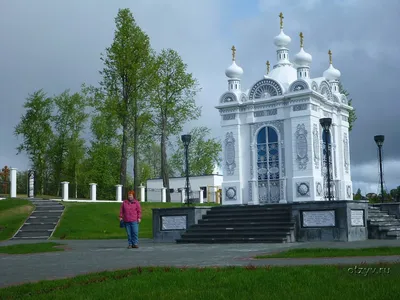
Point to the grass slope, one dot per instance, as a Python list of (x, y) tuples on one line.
[(305, 282), (101, 221), (31, 248), (13, 213), (332, 252)]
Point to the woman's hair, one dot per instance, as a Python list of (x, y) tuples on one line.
[(131, 193)]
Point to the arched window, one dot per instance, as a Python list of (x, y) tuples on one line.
[(268, 165)]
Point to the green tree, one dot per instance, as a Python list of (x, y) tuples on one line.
[(204, 153), (173, 103), (352, 113), (69, 146), (127, 76), (36, 131), (358, 195), (101, 165)]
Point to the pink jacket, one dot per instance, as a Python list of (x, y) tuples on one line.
[(130, 211)]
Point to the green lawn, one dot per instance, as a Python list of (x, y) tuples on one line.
[(13, 213), (305, 282), (31, 248), (332, 252), (101, 221)]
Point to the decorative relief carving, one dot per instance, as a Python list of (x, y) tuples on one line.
[(301, 146), (262, 113), (230, 153), (298, 86), (335, 98), (327, 114), (265, 88), (316, 145), (230, 193), (303, 189), (325, 90), (318, 188), (228, 97), (229, 110), (300, 107), (348, 191), (314, 107), (344, 118), (251, 191), (243, 98), (344, 99), (229, 117), (314, 86), (346, 152)]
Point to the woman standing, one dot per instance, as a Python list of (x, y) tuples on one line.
[(131, 214)]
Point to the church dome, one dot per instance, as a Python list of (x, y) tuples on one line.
[(282, 40), (234, 71), (302, 58), (331, 73), (285, 75)]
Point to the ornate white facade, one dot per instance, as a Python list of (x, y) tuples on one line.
[(273, 143)]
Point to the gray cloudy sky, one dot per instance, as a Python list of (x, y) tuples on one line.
[(56, 45)]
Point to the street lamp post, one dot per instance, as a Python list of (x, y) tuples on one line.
[(186, 141), (379, 139), (326, 124)]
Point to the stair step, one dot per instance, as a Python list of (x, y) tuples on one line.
[(42, 219), (247, 214), (242, 227), (229, 218), (30, 238), (35, 234), (230, 240), (236, 222), (46, 213), (28, 226), (27, 229), (233, 234)]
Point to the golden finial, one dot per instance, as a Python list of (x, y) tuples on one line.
[(301, 39), (233, 53), (268, 67), (281, 17), (330, 56)]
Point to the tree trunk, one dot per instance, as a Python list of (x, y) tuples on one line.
[(124, 155), (76, 182), (135, 154), (164, 165)]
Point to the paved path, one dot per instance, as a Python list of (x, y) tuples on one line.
[(99, 255)]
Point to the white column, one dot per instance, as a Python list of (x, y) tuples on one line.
[(142, 193), (201, 196), (13, 179), (93, 191), (119, 192), (65, 190), (183, 195), (163, 194)]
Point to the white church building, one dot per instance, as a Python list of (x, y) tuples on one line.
[(273, 143)]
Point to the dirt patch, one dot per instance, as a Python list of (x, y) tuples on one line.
[(23, 209), (64, 247)]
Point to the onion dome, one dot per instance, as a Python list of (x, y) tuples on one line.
[(234, 71), (331, 73), (302, 59)]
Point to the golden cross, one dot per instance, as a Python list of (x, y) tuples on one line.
[(330, 56), (233, 52), (281, 17), (301, 39), (267, 67)]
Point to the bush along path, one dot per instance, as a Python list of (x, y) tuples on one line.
[(42, 222)]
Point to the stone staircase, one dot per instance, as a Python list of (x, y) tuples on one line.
[(42, 222), (381, 225), (243, 224)]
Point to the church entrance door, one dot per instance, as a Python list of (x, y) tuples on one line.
[(268, 170)]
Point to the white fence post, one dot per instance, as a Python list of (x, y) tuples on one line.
[(183, 191), (65, 190), (163, 194), (201, 196), (119, 192), (13, 179), (142, 193), (93, 191)]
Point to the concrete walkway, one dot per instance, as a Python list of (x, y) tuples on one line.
[(88, 256)]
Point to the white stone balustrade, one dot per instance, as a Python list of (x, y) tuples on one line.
[(142, 193), (164, 195)]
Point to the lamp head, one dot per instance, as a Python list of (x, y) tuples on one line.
[(379, 139), (186, 139), (325, 123)]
